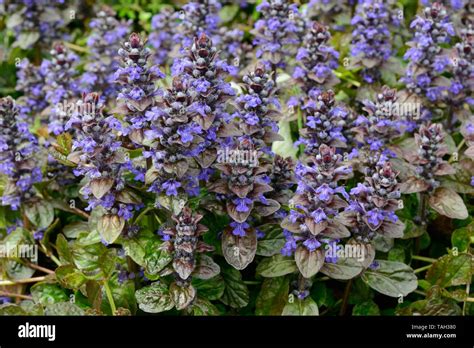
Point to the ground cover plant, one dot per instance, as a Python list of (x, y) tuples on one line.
[(209, 157)]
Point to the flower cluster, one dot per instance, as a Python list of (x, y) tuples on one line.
[(330, 12), (60, 84), (163, 26), (462, 82), (325, 122), (279, 31), (373, 204), (173, 136), (103, 43), (371, 44), (312, 222), (99, 158), (138, 90), (427, 59), (429, 159), (317, 60), (382, 123), (198, 17), (30, 82), (258, 108), (183, 241), (205, 74), (17, 156), (233, 49), (455, 5), (39, 21), (282, 179), (243, 184)]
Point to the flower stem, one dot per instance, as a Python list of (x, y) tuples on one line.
[(21, 281), (421, 269), (39, 268), (468, 287), (423, 258), (110, 297), (11, 294), (345, 298)]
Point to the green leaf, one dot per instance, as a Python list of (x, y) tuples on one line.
[(397, 254), (236, 293), (47, 293), (135, 248), (322, 295), (391, 278), (154, 298), (40, 213), (182, 295), (63, 308), (227, 13), (212, 289), (32, 308), (273, 296), (343, 269), (73, 230), (155, 258), (26, 39), (70, 277), (451, 270), (276, 266), (63, 144), (366, 308), (412, 230), (360, 292), (202, 307), (272, 243), (463, 237), (12, 309), (62, 248), (285, 148), (16, 270), (95, 261), (123, 294), (301, 307), (434, 305)]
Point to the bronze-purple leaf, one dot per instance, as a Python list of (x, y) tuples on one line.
[(101, 186), (309, 262), (239, 251)]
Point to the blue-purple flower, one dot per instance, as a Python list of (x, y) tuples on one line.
[(278, 32), (18, 148), (312, 223), (103, 42), (371, 38)]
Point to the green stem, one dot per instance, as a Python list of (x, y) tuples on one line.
[(250, 282), (110, 297), (423, 258), (421, 269), (50, 255), (142, 214), (21, 281), (464, 306), (347, 291)]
